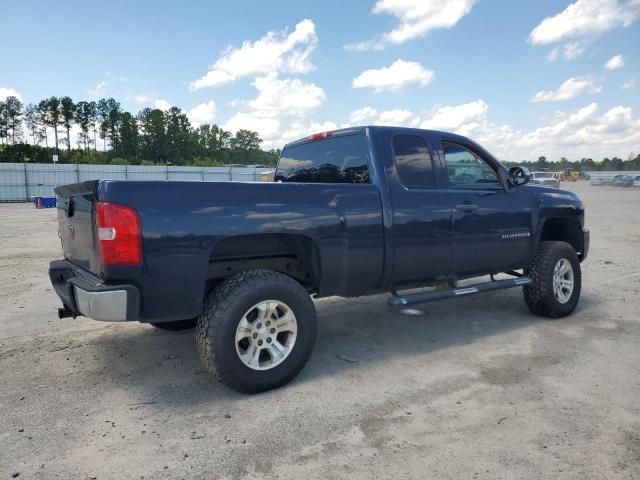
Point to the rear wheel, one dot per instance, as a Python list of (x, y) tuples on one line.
[(177, 325), (556, 280), (257, 330)]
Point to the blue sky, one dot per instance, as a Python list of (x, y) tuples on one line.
[(525, 78)]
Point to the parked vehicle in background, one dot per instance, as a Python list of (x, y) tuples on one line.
[(351, 212), (636, 181), (623, 181), (545, 178), (597, 181), (572, 175)]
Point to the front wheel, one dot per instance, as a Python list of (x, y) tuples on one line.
[(257, 330), (556, 280)]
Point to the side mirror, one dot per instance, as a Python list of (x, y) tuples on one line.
[(519, 176)]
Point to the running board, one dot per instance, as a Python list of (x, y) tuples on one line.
[(424, 297)]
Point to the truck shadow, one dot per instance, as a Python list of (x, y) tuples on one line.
[(164, 368)]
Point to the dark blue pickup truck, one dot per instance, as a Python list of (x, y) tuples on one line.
[(351, 212)]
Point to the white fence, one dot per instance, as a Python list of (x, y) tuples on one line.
[(21, 181)]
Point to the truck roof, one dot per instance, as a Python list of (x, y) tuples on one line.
[(362, 129)]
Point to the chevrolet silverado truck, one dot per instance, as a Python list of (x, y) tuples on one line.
[(350, 212)]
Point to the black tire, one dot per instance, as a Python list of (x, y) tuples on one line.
[(539, 295), (177, 325), (225, 307)]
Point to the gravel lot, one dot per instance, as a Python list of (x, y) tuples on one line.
[(477, 388)]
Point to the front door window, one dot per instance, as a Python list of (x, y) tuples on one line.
[(466, 169)]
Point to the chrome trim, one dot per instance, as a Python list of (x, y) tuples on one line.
[(110, 306), (465, 291)]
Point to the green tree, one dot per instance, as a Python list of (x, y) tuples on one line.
[(128, 142), (13, 113), (178, 136), (67, 112), (84, 119), (151, 137), (33, 123), (3, 122), (113, 122), (102, 116), (152, 134), (244, 145), (50, 112), (92, 113)]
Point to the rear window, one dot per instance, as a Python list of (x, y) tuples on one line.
[(413, 161), (341, 159)]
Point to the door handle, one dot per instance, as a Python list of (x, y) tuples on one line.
[(467, 207)]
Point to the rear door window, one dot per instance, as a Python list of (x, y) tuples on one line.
[(413, 161), (340, 159)]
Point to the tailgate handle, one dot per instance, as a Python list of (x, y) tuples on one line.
[(70, 209), (467, 207)]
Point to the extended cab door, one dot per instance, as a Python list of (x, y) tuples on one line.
[(419, 240), (491, 226)]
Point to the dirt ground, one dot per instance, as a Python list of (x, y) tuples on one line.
[(477, 388)]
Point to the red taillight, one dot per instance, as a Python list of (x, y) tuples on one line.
[(119, 234), (319, 136)]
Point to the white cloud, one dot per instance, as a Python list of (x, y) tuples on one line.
[(573, 50), (361, 114), (276, 52), (568, 51), (583, 114), (299, 130), (202, 113), (397, 117), (100, 90), (277, 100), (138, 97), (285, 97), (416, 18), (569, 89), (614, 63), (454, 118), (394, 77), (266, 127), (162, 104), (9, 92), (576, 134), (585, 18), (629, 84), (584, 134)]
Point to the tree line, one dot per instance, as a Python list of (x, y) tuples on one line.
[(109, 134), (632, 163), (155, 136)]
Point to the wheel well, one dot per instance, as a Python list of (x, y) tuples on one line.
[(293, 255), (565, 230)]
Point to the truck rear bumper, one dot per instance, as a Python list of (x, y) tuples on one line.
[(82, 293)]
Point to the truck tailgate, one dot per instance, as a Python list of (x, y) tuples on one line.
[(75, 224)]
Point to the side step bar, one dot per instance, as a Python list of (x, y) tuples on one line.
[(423, 297)]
